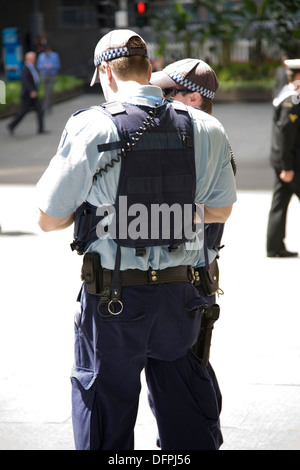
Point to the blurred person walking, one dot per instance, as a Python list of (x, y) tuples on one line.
[(48, 64), (281, 78), (29, 94)]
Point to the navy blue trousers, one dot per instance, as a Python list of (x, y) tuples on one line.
[(282, 195), (154, 332)]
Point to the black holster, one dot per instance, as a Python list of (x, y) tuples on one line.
[(201, 348), (98, 279)]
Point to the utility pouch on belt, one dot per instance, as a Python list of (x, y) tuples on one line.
[(85, 227), (98, 282), (91, 273), (208, 277), (210, 315)]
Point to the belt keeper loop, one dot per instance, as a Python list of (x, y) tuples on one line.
[(115, 301), (116, 293), (197, 280), (107, 277), (153, 276), (191, 274), (105, 295)]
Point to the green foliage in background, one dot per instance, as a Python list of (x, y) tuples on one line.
[(246, 75), (63, 83), (267, 23)]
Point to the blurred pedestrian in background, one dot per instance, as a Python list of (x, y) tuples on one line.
[(29, 94), (48, 64), (40, 43), (285, 159), (281, 78)]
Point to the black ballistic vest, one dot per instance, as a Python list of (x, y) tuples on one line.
[(156, 192)]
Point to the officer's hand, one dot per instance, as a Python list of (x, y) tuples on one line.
[(287, 175)]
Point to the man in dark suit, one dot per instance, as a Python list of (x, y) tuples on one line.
[(29, 94), (285, 159)]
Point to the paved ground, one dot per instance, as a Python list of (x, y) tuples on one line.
[(255, 349)]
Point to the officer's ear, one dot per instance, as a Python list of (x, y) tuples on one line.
[(149, 73), (107, 70), (195, 99)]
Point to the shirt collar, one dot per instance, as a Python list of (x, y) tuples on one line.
[(147, 95), (286, 92)]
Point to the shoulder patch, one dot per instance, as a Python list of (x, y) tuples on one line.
[(287, 105)]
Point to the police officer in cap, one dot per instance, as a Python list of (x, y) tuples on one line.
[(194, 83), (139, 308), (285, 159)]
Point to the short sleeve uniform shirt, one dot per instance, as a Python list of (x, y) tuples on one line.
[(69, 179)]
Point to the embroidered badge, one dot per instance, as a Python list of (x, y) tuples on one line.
[(293, 117)]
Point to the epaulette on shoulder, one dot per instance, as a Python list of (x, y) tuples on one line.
[(80, 111), (178, 106)]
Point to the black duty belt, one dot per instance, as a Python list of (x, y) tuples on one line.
[(136, 277), (100, 280)]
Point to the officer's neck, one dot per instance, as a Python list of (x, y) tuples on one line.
[(129, 86)]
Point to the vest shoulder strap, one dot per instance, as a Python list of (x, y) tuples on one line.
[(114, 107)]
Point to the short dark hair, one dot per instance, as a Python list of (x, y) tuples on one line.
[(123, 67), (206, 106)]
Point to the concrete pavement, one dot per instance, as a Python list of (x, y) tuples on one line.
[(255, 350)]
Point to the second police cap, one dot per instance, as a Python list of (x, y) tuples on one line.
[(193, 74)]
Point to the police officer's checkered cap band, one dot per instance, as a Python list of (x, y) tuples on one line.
[(191, 85), (111, 54)]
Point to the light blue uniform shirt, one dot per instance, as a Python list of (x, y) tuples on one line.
[(68, 181)]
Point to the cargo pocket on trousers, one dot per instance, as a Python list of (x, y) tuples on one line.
[(195, 303), (83, 398), (85, 377), (83, 348)]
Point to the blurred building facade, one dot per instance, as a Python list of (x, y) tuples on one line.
[(73, 27)]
